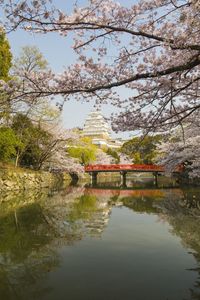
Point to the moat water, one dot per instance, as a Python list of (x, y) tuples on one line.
[(102, 242)]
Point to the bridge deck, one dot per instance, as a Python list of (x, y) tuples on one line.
[(127, 168)]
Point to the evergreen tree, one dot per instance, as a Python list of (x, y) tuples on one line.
[(9, 142), (5, 57), (142, 150)]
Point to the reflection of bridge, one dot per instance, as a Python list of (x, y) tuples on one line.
[(111, 192), (93, 170)]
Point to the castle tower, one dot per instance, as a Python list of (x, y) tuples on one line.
[(98, 130)]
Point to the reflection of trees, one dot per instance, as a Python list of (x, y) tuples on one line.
[(17, 280), (25, 243), (181, 211), (23, 231), (188, 229), (30, 233), (140, 205), (180, 208), (35, 225), (182, 201), (144, 201), (138, 200)]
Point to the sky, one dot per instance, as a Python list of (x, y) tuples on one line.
[(58, 52)]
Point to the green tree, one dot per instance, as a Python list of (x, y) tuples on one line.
[(5, 65), (5, 56), (9, 142), (84, 151), (35, 153), (34, 140), (30, 59), (142, 150), (22, 127)]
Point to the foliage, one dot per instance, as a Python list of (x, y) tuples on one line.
[(5, 56), (8, 144), (21, 124), (30, 59), (5, 65), (26, 132), (84, 151), (142, 150), (84, 155), (44, 112), (34, 154), (33, 138), (40, 143), (87, 153), (151, 48)]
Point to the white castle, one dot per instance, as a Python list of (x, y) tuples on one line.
[(99, 131)]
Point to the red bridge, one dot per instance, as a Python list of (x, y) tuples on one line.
[(93, 170), (127, 168)]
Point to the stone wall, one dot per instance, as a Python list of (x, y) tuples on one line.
[(22, 179)]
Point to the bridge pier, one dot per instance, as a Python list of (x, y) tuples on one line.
[(155, 178), (123, 178), (93, 177)]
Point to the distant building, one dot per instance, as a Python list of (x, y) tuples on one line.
[(99, 131)]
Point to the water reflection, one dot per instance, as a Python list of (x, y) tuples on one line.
[(134, 182), (90, 227)]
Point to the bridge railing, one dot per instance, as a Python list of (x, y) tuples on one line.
[(133, 167)]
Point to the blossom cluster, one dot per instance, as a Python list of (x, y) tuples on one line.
[(182, 148), (151, 48)]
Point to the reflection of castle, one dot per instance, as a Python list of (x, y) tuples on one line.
[(98, 129), (96, 225)]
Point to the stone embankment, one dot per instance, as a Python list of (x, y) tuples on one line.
[(22, 179)]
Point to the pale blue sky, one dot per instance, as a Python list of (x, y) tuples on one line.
[(57, 50)]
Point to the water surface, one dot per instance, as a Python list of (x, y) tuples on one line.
[(102, 242)]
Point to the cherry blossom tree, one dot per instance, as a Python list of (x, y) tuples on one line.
[(183, 148), (54, 155), (30, 60), (102, 158), (151, 48), (61, 162)]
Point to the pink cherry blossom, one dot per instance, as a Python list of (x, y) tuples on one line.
[(151, 49)]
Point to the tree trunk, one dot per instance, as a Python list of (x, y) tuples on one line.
[(17, 159)]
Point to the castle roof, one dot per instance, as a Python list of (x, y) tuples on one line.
[(96, 124)]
